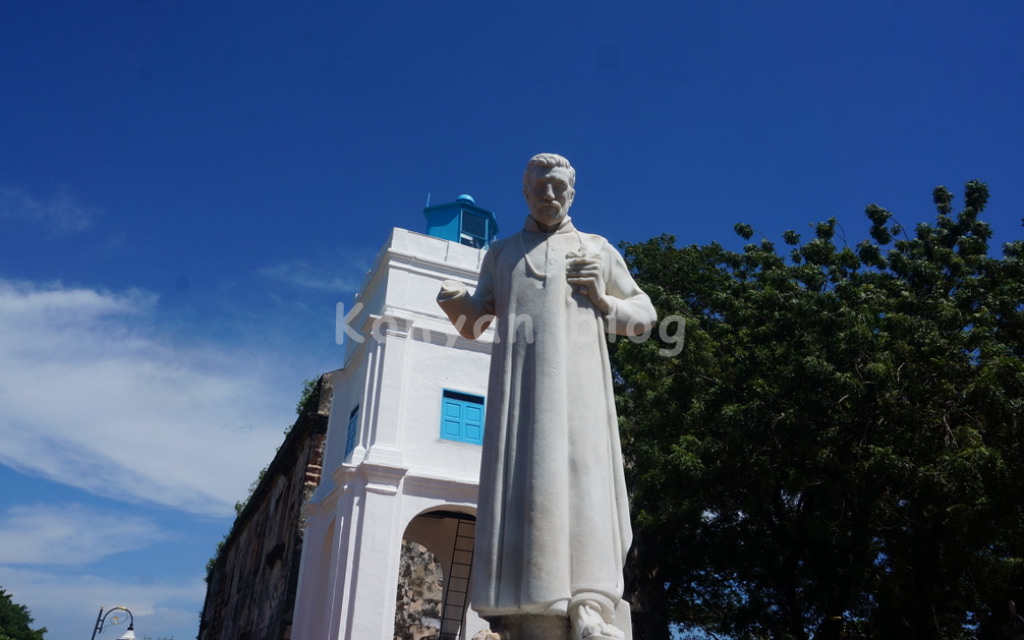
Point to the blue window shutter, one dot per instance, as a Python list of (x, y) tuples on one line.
[(462, 417), (451, 421), (473, 423), (353, 431)]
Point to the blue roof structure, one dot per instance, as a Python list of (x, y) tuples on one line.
[(462, 221)]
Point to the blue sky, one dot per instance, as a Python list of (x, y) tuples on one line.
[(188, 188)]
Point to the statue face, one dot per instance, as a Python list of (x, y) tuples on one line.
[(549, 195)]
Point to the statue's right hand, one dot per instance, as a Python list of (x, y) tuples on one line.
[(451, 289)]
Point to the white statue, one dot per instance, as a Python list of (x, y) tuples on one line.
[(553, 522)]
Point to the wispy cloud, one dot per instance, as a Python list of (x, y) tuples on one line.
[(69, 534), (339, 273), (303, 274), (94, 395), (67, 604), (59, 212)]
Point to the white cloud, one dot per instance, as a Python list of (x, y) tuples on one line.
[(94, 396), (303, 274), (59, 212), (67, 604), (70, 534)]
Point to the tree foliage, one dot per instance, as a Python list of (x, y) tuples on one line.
[(838, 447), (309, 398), (16, 621)]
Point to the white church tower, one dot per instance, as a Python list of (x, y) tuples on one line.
[(403, 441)]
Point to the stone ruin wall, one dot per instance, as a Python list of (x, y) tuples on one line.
[(418, 601), (251, 586)]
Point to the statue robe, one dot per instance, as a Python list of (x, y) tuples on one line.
[(553, 517)]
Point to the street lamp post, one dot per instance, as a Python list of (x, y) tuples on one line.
[(101, 620)]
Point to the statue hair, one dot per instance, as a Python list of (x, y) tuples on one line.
[(548, 161)]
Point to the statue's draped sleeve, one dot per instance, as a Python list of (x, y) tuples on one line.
[(472, 313), (630, 311)]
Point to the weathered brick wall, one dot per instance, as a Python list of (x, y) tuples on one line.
[(251, 587)]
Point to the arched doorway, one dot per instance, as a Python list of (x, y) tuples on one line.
[(444, 538)]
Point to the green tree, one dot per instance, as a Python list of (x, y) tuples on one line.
[(838, 446), (16, 621), (309, 398)]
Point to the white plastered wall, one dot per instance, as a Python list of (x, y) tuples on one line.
[(400, 467)]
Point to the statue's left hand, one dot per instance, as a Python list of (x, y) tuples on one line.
[(585, 271)]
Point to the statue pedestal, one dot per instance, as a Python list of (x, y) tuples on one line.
[(534, 627)]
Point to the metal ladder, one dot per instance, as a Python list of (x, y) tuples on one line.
[(456, 595)]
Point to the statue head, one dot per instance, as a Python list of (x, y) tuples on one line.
[(548, 186)]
